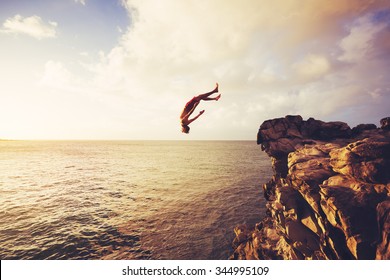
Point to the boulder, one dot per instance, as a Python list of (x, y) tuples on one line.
[(383, 219), (363, 127), (367, 160), (385, 123)]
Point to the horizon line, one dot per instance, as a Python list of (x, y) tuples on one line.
[(113, 140)]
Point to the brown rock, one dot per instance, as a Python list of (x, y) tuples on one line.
[(311, 163), (279, 137), (299, 233), (351, 207), (320, 130), (383, 216), (363, 127), (329, 197), (279, 165), (242, 234), (385, 123), (367, 160)]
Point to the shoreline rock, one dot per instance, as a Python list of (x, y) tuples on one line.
[(329, 197)]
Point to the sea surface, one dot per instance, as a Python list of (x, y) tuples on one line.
[(127, 199)]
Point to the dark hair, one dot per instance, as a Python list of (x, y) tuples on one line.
[(185, 128)]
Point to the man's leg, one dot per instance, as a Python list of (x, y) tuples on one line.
[(205, 96)]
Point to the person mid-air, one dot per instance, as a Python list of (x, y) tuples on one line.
[(190, 107)]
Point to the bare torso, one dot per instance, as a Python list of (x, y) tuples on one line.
[(192, 104)]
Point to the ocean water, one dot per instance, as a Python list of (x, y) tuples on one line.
[(127, 199)]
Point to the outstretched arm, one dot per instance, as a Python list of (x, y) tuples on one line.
[(192, 110), (191, 120)]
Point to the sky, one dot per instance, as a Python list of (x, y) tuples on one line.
[(124, 69)]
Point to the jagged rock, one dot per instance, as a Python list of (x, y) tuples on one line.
[(279, 137), (320, 130), (367, 160), (385, 123), (329, 197), (242, 234), (302, 236), (363, 127), (383, 218), (311, 163), (351, 206)]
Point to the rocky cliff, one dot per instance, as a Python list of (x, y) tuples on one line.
[(329, 197)]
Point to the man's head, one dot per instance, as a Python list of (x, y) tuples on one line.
[(185, 128)]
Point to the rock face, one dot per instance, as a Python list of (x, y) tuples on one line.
[(329, 197)]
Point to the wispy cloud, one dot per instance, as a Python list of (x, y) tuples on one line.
[(55, 75), (312, 66), (82, 2), (272, 58), (32, 26), (358, 44), (259, 53)]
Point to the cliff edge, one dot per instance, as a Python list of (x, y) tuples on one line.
[(329, 197)]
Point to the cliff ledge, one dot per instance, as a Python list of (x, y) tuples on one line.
[(329, 197)]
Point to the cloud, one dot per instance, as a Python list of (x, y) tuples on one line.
[(32, 26), (312, 66), (293, 56), (55, 75), (262, 37), (82, 2), (359, 42), (317, 59)]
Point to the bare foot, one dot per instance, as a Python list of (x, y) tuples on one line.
[(218, 97), (216, 87)]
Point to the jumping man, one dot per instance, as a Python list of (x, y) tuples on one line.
[(190, 107)]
